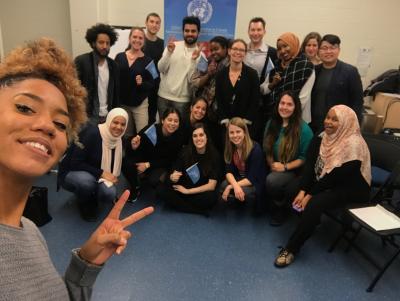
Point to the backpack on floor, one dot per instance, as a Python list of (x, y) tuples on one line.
[(36, 208)]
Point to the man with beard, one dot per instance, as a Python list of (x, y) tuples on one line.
[(153, 47), (176, 66), (98, 73)]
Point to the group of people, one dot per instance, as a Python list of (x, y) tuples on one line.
[(260, 126), (238, 130)]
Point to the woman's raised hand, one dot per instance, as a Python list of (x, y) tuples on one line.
[(135, 142), (111, 237)]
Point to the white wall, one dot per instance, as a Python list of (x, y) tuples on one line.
[(366, 23), (359, 23), (23, 20)]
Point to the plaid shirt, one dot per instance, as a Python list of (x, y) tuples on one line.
[(293, 77)]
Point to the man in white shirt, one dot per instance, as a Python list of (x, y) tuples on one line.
[(98, 73), (176, 66), (258, 52), (258, 55)]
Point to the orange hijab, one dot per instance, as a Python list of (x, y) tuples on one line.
[(293, 41), (345, 145)]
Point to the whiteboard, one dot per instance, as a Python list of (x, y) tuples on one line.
[(122, 42)]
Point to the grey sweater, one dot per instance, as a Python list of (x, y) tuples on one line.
[(27, 273)]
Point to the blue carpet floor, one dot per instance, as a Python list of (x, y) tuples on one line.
[(228, 256)]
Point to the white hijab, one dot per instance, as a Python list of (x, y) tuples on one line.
[(110, 142)]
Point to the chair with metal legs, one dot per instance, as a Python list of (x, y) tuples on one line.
[(383, 155)]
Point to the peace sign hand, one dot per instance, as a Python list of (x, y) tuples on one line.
[(111, 237), (196, 53)]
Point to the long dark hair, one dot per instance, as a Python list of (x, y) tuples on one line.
[(171, 110), (290, 141), (208, 160)]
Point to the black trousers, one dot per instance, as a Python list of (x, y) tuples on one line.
[(153, 96), (154, 175), (311, 216), (200, 203)]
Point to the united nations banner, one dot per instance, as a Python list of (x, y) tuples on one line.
[(218, 17)]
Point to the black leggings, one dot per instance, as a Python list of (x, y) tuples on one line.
[(325, 200), (194, 203), (154, 175)]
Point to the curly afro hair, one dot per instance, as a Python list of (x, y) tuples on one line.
[(92, 32), (44, 59)]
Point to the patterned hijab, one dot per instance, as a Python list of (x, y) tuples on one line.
[(345, 145)]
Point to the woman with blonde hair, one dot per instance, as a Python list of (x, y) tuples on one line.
[(136, 81), (245, 170)]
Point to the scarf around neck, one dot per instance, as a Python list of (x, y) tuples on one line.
[(109, 143), (345, 145)]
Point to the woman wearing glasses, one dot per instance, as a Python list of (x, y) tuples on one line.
[(237, 87)]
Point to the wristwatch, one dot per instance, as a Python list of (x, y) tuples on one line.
[(285, 167)]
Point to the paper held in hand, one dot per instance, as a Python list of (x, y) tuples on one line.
[(377, 217)]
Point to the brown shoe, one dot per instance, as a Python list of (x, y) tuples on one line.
[(284, 258)]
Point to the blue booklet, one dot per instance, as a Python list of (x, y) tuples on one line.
[(151, 67), (194, 173), (270, 66), (151, 133), (202, 65)]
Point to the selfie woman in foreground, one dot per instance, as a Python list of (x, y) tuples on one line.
[(42, 110)]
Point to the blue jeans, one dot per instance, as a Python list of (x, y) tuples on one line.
[(85, 186)]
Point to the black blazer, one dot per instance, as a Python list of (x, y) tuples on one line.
[(240, 100), (345, 88), (86, 65)]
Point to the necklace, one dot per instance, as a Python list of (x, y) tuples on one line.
[(234, 75), (131, 56)]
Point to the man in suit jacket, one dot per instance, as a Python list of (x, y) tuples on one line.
[(336, 83), (98, 73)]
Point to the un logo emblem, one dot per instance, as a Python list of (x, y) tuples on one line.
[(202, 9)]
